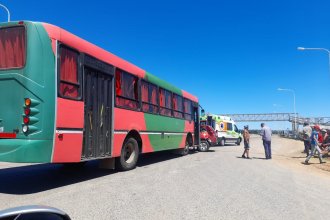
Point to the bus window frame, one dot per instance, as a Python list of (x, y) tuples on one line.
[(138, 101), (191, 109), (160, 107), (79, 72), (149, 103), (26, 47), (182, 104)]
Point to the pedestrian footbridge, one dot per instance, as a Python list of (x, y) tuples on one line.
[(291, 117)]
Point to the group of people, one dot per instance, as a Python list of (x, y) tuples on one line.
[(315, 141), (266, 134)]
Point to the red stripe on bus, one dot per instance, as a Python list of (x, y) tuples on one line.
[(70, 114), (189, 126), (118, 142), (183, 141), (68, 147), (146, 145), (129, 120), (84, 46), (189, 96), (8, 135)]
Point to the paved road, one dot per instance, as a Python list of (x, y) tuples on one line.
[(212, 185)]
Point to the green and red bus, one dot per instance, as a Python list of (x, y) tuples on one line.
[(65, 100)]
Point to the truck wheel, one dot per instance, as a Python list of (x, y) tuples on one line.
[(129, 155), (204, 146), (238, 142), (222, 142)]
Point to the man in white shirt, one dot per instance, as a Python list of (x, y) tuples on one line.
[(266, 134)]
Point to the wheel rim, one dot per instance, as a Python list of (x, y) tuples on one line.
[(186, 148), (203, 146), (129, 153)]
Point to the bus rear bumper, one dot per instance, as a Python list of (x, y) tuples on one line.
[(26, 151)]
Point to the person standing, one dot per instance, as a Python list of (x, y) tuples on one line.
[(326, 142), (266, 134), (246, 137), (307, 132), (315, 144)]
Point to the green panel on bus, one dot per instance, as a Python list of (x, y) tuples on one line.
[(155, 80), (171, 127), (36, 80)]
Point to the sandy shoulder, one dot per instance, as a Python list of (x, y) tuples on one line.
[(287, 152)]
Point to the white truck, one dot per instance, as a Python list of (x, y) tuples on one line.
[(224, 127)]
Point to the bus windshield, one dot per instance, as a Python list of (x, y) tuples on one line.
[(12, 47)]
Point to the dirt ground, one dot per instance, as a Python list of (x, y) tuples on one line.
[(289, 153)]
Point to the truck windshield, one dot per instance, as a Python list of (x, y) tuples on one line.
[(12, 47)]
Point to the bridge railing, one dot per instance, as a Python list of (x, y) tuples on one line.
[(279, 117)]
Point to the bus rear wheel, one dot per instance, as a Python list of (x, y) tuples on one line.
[(184, 151), (129, 155)]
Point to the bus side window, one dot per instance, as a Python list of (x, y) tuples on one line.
[(165, 102), (126, 90), (69, 81), (149, 97), (187, 109), (177, 106)]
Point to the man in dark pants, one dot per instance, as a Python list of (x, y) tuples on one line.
[(266, 134), (307, 132)]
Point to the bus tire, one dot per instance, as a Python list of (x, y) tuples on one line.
[(222, 142), (129, 155), (184, 151), (204, 146), (238, 142)]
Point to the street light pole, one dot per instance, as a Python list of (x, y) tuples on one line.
[(294, 105), (1, 5), (317, 48)]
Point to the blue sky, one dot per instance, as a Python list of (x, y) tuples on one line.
[(233, 54)]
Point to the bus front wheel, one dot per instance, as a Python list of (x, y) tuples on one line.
[(185, 151), (129, 155)]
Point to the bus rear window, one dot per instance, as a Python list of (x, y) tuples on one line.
[(69, 80), (12, 47)]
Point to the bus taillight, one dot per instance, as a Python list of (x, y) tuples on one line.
[(26, 120), (25, 128), (27, 102), (27, 111), (29, 116)]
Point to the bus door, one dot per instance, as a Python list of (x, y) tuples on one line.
[(196, 124), (98, 108)]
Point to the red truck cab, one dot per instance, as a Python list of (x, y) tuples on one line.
[(208, 137)]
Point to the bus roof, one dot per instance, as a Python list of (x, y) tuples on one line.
[(84, 46)]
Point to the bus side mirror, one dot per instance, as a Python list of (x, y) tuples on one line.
[(34, 212), (202, 112)]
